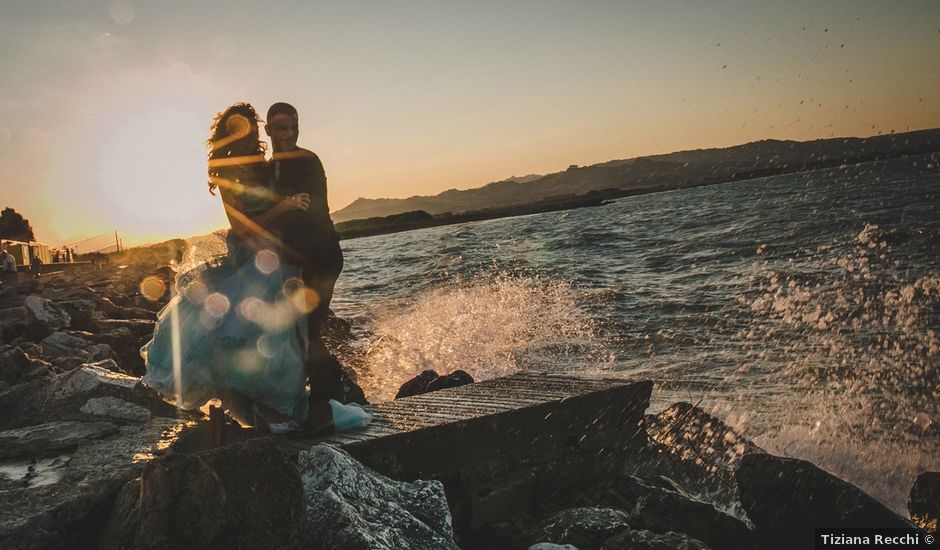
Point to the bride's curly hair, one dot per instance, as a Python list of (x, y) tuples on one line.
[(233, 133)]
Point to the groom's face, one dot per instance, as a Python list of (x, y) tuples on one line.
[(283, 130)]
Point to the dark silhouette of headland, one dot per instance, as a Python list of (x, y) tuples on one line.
[(581, 186)]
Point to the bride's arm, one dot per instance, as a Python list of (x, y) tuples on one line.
[(248, 223)]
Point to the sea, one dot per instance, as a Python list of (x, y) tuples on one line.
[(801, 309)]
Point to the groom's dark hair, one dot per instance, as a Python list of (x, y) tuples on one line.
[(281, 108)]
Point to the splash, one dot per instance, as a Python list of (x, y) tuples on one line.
[(488, 327), (852, 339)]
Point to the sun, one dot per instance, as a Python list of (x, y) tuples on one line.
[(151, 169)]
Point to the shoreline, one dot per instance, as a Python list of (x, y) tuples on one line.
[(419, 219)]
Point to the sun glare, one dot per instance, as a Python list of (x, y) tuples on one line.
[(152, 166)]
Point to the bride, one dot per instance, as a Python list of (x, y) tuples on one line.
[(236, 328)]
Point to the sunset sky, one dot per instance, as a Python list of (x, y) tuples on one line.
[(105, 105)]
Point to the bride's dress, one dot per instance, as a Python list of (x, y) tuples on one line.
[(235, 330)]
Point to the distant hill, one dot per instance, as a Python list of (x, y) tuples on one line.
[(657, 172)]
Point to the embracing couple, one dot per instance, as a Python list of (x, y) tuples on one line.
[(247, 326)]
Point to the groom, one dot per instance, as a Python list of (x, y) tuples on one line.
[(309, 240)]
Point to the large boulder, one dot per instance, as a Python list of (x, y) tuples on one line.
[(245, 496), (788, 498), (924, 501), (352, 507)]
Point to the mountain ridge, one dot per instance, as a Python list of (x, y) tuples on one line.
[(662, 171)]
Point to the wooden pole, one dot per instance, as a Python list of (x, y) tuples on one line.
[(216, 427)]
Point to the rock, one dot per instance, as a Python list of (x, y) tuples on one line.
[(417, 385), (132, 313), (452, 380), (89, 377), (14, 364), (351, 507), (114, 407), (66, 364), (44, 317), (182, 504), (924, 501), (657, 504), (246, 495), (82, 312), (60, 344), (787, 499), (126, 348), (583, 528), (50, 438), (138, 327), (551, 546), (100, 352), (647, 540), (700, 439), (429, 381), (12, 323), (67, 504), (122, 526)]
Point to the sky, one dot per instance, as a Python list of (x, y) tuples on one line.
[(105, 105)]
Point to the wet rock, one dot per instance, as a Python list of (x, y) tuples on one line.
[(648, 540), (45, 317), (246, 495), (116, 408), (583, 528), (14, 365), (452, 380), (787, 499), (924, 501), (60, 344), (429, 381), (417, 385), (50, 438), (350, 506), (700, 439)]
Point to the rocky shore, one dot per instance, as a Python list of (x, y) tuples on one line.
[(91, 458)]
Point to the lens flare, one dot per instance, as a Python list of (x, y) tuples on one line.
[(252, 309), (266, 346), (217, 305), (267, 261), (152, 288)]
